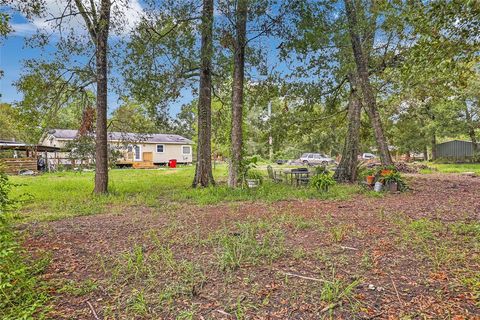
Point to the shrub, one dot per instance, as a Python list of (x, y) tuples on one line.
[(20, 293), (321, 170), (322, 182), (6, 203), (255, 174)]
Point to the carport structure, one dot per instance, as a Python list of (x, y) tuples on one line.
[(24, 156)]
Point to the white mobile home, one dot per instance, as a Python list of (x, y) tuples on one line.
[(137, 149)]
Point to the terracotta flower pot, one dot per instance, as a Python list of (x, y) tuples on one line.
[(370, 180)]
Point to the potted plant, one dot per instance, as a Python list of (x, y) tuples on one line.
[(386, 170), (322, 182), (250, 176), (394, 182), (254, 178), (370, 176)]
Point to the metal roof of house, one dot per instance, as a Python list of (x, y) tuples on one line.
[(21, 146), (66, 134)]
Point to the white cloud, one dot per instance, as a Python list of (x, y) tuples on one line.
[(23, 29), (126, 14)]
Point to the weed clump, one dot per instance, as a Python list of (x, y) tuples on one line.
[(251, 243)]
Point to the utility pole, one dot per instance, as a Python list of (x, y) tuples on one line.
[(270, 138)]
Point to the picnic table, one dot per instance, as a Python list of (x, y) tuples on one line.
[(297, 176)]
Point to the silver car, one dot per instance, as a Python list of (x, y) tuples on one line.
[(316, 158)]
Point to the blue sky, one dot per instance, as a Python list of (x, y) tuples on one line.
[(12, 54)]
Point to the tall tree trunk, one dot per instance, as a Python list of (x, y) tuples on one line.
[(471, 130), (203, 171), (434, 147), (234, 173), (368, 96), (101, 147), (425, 153), (347, 169)]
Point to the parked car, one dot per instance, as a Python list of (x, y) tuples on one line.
[(281, 161), (316, 158), (368, 156)]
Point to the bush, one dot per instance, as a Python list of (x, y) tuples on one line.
[(322, 182), (6, 203), (20, 295), (255, 174)]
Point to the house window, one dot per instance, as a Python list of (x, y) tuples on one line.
[(160, 148), (186, 150), (138, 155)]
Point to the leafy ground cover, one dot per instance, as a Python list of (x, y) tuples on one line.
[(410, 255), (22, 296)]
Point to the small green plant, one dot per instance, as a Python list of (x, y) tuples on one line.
[(251, 243), (367, 261), (137, 303), (255, 175), (337, 289), (473, 284), (390, 167), (322, 182), (395, 177), (248, 164), (78, 289), (299, 253), (321, 170), (469, 229), (338, 232), (423, 229), (186, 314)]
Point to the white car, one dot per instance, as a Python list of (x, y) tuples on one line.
[(368, 156), (316, 158)]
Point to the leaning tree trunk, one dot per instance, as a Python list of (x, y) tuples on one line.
[(347, 169), (203, 171), (234, 172), (376, 122), (101, 147), (368, 97)]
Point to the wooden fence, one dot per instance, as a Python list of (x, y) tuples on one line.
[(15, 165)]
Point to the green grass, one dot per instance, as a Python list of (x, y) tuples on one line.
[(250, 243), (77, 288), (150, 280), (454, 167), (66, 194)]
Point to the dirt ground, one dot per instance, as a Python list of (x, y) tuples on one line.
[(399, 267)]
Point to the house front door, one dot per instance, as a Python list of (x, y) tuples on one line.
[(147, 156)]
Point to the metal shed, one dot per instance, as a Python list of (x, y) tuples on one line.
[(455, 149)]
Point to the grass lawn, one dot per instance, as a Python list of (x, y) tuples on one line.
[(456, 168), (162, 250), (66, 194)]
